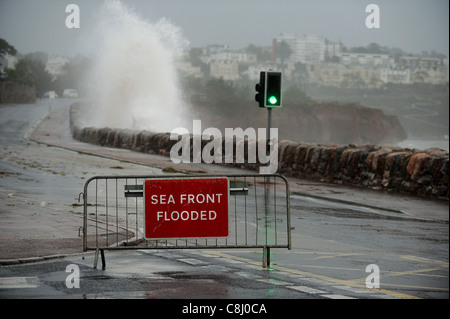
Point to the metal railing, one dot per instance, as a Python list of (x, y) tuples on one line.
[(259, 215)]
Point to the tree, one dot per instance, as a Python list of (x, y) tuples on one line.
[(300, 73), (31, 73), (221, 95), (43, 79), (22, 73), (283, 51), (352, 80), (41, 57), (73, 75), (195, 56), (373, 48), (262, 55), (6, 48), (335, 59), (420, 76)]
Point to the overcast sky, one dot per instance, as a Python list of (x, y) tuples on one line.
[(412, 25)]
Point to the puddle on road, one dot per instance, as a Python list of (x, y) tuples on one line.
[(348, 213), (342, 210)]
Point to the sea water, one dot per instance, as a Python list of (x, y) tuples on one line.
[(133, 81)]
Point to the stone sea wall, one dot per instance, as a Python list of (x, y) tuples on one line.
[(385, 167)]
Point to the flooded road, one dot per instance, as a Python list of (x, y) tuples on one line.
[(42, 173)]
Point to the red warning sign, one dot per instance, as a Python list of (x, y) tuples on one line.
[(186, 208)]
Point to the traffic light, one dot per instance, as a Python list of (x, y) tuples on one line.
[(273, 89), (261, 88), (269, 89)]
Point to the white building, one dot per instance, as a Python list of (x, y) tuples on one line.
[(414, 62), (434, 75), (55, 65), (395, 75), (309, 49), (367, 59), (225, 69), (332, 49), (231, 55), (187, 69)]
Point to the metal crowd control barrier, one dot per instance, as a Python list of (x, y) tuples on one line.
[(259, 215)]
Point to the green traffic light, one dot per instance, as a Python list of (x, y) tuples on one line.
[(272, 100)]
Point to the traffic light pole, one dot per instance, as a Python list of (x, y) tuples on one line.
[(266, 250), (269, 125)]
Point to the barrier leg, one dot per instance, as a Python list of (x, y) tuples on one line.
[(102, 252), (96, 258), (266, 257)]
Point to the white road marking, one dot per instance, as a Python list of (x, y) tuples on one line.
[(192, 261), (275, 282), (354, 290), (18, 282), (308, 290), (247, 275), (335, 296), (232, 261), (316, 281)]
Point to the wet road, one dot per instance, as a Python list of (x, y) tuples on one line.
[(333, 243)]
